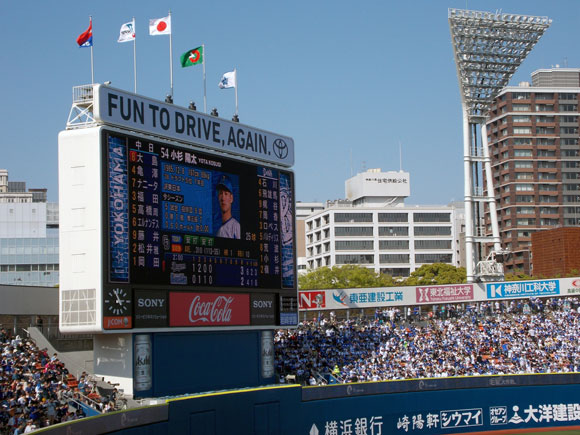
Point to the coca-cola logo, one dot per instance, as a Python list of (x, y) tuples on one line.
[(216, 311), (208, 309)]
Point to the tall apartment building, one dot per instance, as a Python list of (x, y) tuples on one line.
[(373, 228), (28, 235), (533, 141)]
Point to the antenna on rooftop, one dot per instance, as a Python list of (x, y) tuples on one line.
[(351, 162), (400, 158)]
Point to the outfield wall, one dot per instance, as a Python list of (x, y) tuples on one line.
[(428, 406)]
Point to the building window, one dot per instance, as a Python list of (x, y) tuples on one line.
[(394, 231), (546, 119), (396, 271), (432, 244), (544, 107), (549, 222), (525, 210), (546, 153), (355, 259), (569, 118), (521, 107), (432, 217), (524, 198), (568, 141), (433, 258), (521, 96), (522, 130), (521, 118), (385, 245), (524, 176), (524, 187), (353, 217), (567, 96), (526, 222), (432, 231), (568, 130), (393, 217), (522, 141), (570, 153), (522, 153), (568, 107), (548, 187), (393, 258), (353, 231), (544, 130), (568, 187), (523, 164), (545, 141), (353, 245)]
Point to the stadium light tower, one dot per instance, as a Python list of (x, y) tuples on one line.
[(488, 48)]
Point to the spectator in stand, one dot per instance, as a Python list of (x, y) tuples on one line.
[(530, 336), (33, 387)]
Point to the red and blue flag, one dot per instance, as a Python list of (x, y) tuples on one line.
[(85, 39)]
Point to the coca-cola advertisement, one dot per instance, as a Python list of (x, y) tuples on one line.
[(209, 309)]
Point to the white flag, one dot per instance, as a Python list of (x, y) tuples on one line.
[(160, 26), (228, 80), (127, 32)]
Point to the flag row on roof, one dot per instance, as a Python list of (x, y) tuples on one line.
[(162, 26)]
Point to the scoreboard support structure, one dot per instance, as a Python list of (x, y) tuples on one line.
[(176, 244)]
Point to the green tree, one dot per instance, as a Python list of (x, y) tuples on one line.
[(437, 273), (348, 276), (518, 276)]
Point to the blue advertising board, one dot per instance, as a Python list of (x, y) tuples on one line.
[(523, 289)]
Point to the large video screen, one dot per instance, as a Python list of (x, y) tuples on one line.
[(194, 234)]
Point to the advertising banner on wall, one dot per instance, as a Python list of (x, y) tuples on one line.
[(523, 289), (336, 299)]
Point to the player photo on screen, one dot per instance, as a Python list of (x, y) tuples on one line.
[(226, 219)]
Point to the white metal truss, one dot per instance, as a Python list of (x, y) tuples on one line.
[(488, 48), (81, 112)]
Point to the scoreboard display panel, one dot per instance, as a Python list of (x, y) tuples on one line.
[(194, 238), (162, 235)]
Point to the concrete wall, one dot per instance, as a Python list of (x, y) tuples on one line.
[(19, 300)]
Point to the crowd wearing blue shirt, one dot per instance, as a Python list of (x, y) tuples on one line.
[(490, 338), (33, 390)]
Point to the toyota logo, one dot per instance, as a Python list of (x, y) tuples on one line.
[(280, 148)]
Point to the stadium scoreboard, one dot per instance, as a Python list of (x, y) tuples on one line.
[(162, 232)]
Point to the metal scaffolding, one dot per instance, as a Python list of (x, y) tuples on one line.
[(488, 48)]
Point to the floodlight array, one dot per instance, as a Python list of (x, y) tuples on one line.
[(488, 48)]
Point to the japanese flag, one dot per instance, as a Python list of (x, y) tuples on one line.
[(160, 26)]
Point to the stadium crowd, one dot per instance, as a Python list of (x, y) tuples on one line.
[(511, 337), (36, 389)]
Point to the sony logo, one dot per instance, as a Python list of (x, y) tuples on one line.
[(262, 304), (150, 302)]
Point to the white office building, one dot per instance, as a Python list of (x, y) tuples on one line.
[(374, 228), (28, 235)]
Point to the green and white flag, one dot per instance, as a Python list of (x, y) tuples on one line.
[(192, 57)]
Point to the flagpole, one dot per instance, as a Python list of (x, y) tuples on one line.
[(204, 84), (135, 55), (92, 67), (236, 76), (171, 54)]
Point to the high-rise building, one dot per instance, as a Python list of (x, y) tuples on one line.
[(374, 228), (533, 143), (28, 235)]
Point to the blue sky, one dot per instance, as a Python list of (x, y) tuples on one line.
[(347, 80)]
